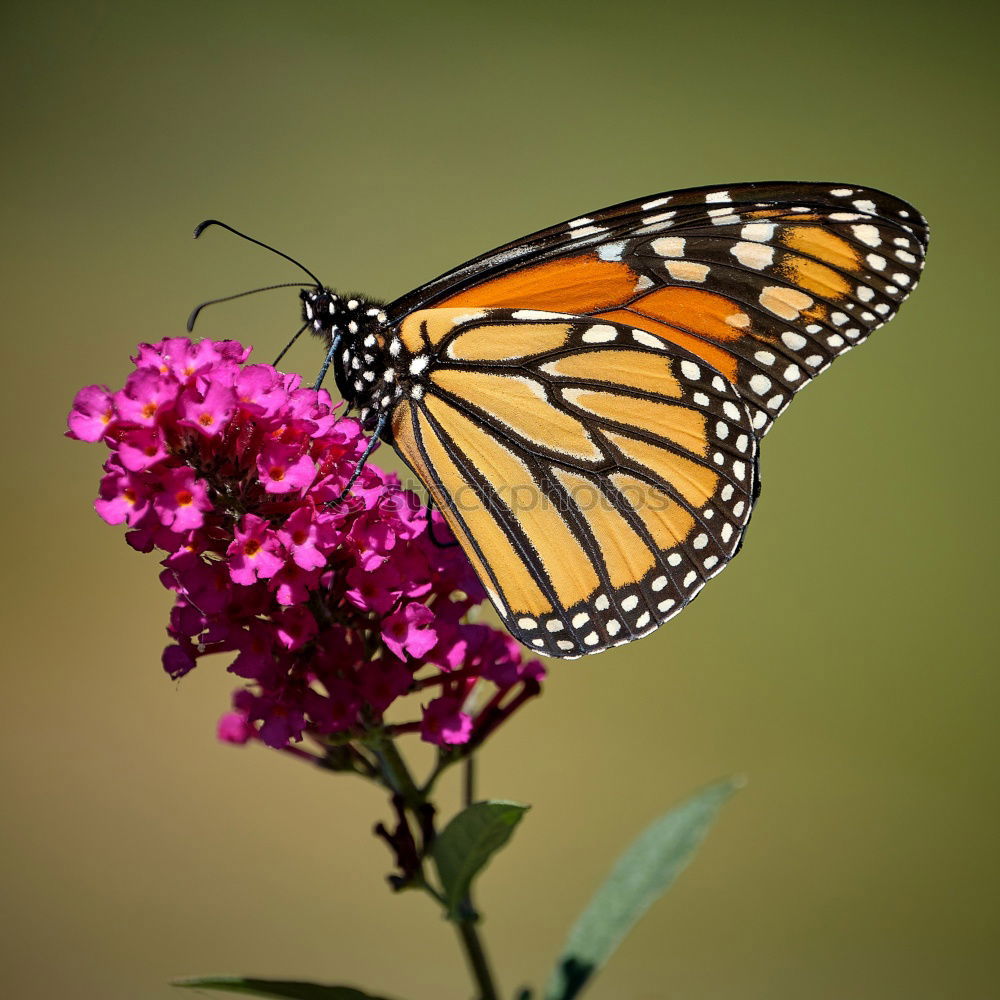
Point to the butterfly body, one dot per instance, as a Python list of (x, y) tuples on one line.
[(585, 405), (368, 377)]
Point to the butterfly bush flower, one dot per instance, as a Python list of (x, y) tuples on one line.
[(330, 609)]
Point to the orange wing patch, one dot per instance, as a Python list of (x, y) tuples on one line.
[(679, 424), (504, 343), (665, 519), (814, 277), (689, 317), (422, 331), (693, 481), (404, 441), (581, 284), (634, 369), (520, 403), (567, 566), (825, 246), (626, 556), (520, 592)]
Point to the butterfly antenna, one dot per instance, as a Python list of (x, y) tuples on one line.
[(202, 226), (239, 295), (284, 350)]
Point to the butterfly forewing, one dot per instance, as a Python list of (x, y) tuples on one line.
[(767, 283), (596, 474)]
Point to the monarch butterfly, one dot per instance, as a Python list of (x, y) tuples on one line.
[(585, 404)]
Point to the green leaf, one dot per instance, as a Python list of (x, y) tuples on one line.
[(643, 873), (282, 988), (467, 843)]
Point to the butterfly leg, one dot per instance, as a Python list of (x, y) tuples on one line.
[(328, 360), (373, 442)]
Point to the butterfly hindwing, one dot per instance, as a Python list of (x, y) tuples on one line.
[(596, 474), (767, 283)]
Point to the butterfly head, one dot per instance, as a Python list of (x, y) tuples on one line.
[(354, 321), (326, 312)]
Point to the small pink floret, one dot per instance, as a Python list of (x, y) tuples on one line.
[(92, 415)]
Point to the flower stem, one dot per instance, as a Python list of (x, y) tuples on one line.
[(394, 770), (474, 951), (395, 775), (469, 781), (475, 954)]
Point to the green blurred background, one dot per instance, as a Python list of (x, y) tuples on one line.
[(844, 662)]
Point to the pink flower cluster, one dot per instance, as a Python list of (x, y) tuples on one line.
[(331, 608)]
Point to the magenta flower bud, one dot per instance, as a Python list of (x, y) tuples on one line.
[(143, 397), (142, 448), (234, 728), (445, 723), (308, 537), (254, 553), (123, 498), (183, 500), (92, 415), (283, 468), (208, 414), (410, 631)]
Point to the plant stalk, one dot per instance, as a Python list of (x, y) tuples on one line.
[(397, 777), (475, 955), (469, 781), (394, 771)]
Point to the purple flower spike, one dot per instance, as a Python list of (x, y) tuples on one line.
[(330, 609)]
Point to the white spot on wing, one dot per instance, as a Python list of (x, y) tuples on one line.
[(669, 246), (611, 251), (651, 220), (758, 232), (599, 334), (539, 314), (685, 270), (867, 234), (755, 255), (786, 303), (649, 340)]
